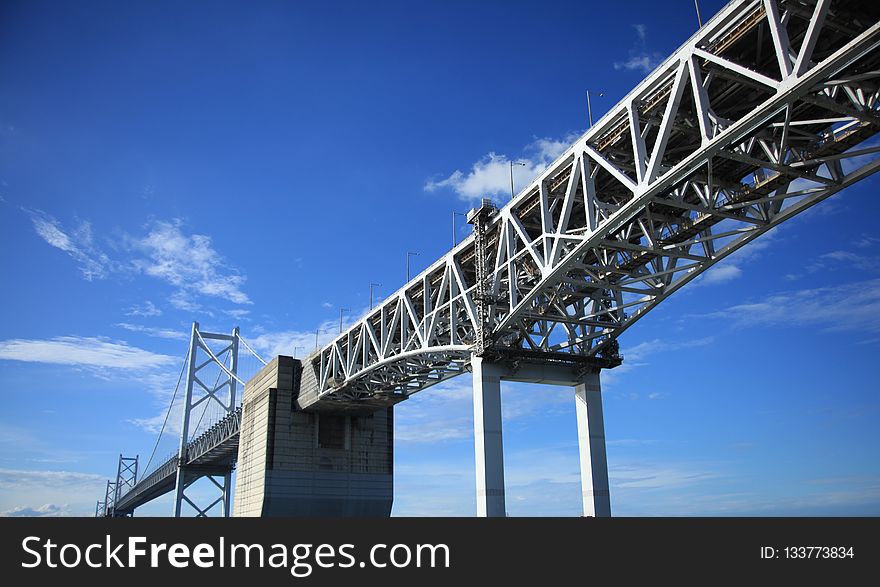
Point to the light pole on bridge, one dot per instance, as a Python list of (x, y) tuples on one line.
[(408, 255), (454, 235), (512, 163), (341, 312), (318, 331), (372, 285), (590, 106)]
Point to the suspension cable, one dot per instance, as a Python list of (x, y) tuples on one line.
[(170, 405), (253, 352)]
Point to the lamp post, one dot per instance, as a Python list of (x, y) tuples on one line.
[(372, 285), (408, 255), (512, 163), (317, 332), (590, 106), (454, 214), (341, 312), (296, 348), (697, 6)]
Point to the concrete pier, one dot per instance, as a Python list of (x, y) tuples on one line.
[(488, 446), (293, 463), (487, 377), (591, 442)]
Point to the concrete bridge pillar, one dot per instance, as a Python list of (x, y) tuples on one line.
[(487, 438), (488, 446), (591, 442), (293, 462)]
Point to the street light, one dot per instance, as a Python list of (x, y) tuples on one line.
[(317, 332), (408, 255), (697, 6), (296, 348), (372, 285), (590, 106), (341, 312), (454, 214), (512, 163)]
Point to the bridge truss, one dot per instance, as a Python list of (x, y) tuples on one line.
[(767, 110)]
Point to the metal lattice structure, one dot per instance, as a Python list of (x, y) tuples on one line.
[(766, 111), (211, 454), (197, 392)]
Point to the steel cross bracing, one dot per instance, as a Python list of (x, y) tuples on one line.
[(767, 110)]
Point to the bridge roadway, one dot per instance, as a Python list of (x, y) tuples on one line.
[(768, 109), (211, 453)]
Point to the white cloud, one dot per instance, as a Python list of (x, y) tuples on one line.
[(270, 344), (44, 511), (853, 307), (157, 332), (190, 263), (76, 490), (23, 478), (237, 313), (147, 310), (83, 351), (718, 274), (656, 476), (327, 305), (642, 350), (445, 411), (490, 176), (866, 241), (640, 58), (79, 244)]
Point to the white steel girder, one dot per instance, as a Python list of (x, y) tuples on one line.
[(767, 110)]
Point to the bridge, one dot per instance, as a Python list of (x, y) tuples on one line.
[(768, 109)]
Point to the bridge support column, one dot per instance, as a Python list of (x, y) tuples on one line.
[(488, 445), (591, 441)]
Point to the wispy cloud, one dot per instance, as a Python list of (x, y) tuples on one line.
[(146, 310), (42, 491), (445, 412), (490, 176), (853, 307), (643, 350), (156, 332), (866, 240), (22, 478), (270, 344), (78, 243), (640, 58), (48, 510), (188, 262), (721, 273), (237, 313), (82, 351)]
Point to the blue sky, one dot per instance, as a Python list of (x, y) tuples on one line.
[(260, 164)]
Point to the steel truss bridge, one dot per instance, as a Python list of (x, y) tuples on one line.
[(770, 108)]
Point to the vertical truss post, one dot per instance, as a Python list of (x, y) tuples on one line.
[(126, 477), (99, 509), (227, 480), (179, 482), (479, 217), (109, 497), (228, 378)]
